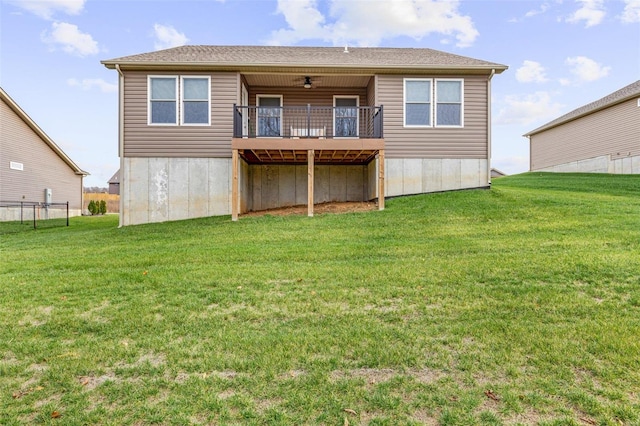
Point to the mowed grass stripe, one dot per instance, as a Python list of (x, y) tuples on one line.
[(515, 305)]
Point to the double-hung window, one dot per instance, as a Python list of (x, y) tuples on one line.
[(179, 101), (195, 100), (433, 102), (417, 102), (449, 103), (163, 100)]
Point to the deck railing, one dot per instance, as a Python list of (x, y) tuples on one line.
[(308, 122)]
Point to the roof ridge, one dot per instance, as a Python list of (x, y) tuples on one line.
[(305, 56)]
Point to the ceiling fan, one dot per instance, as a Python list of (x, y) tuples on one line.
[(307, 81)]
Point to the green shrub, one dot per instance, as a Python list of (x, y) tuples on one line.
[(93, 208), (102, 208)]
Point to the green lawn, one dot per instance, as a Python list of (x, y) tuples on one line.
[(515, 305)]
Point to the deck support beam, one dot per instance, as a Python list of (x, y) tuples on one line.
[(310, 181), (234, 185), (381, 179)]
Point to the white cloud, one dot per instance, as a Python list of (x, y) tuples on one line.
[(631, 13), (585, 69), (46, 8), (71, 39), (90, 83), (167, 37), (348, 22), (531, 72), (527, 109), (543, 8), (592, 12)]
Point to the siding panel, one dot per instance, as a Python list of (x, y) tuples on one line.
[(469, 141), (613, 131), (43, 168), (302, 97), (142, 140)]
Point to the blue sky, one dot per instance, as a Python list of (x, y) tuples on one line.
[(561, 54)]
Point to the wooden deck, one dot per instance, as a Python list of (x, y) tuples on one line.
[(310, 151)]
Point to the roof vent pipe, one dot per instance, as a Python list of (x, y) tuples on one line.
[(346, 49)]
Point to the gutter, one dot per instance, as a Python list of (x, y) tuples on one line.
[(266, 66)]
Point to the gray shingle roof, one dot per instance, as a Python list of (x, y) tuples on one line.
[(115, 178), (614, 98), (358, 57)]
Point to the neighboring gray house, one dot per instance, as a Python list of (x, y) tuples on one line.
[(32, 164), (600, 137), (217, 130), (114, 183)]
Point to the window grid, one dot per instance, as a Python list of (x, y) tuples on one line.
[(195, 101), (449, 111), (163, 110), (417, 109)]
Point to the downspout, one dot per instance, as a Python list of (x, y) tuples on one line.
[(121, 142), (493, 71)]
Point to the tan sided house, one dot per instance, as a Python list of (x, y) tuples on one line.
[(35, 174), (600, 137), (216, 130)]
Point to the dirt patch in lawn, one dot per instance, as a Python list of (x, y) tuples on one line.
[(346, 207)]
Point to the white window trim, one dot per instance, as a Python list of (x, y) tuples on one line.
[(257, 117), (182, 99), (357, 98), (435, 103), (177, 100), (404, 104)]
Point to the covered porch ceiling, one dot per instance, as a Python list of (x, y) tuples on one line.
[(318, 80)]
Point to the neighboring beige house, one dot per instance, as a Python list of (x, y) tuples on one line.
[(495, 173), (217, 130), (601, 137), (33, 169)]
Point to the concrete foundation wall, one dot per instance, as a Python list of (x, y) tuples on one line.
[(602, 164), (417, 176), (8, 214), (163, 189), (286, 185), (244, 185), (372, 179)]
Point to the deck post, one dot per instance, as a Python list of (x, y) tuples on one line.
[(310, 178), (234, 185), (381, 179)]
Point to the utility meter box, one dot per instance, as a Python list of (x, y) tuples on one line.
[(48, 196)]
